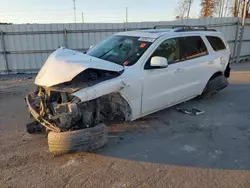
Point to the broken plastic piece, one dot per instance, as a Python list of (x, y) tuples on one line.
[(185, 111), (197, 112), (194, 111)]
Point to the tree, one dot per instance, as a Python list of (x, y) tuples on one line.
[(235, 8), (207, 8), (183, 9), (217, 8)]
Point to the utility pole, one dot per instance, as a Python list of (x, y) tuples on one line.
[(126, 14), (82, 18), (126, 20), (189, 7), (74, 7)]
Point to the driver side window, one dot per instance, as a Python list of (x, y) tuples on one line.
[(170, 49)]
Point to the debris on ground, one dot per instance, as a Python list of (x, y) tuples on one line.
[(194, 111), (34, 127)]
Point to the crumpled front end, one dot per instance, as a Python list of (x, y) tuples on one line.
[(60, 111), (77, 91), (90, 98)]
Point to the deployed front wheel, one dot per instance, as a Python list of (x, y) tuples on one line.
[(87, 139)]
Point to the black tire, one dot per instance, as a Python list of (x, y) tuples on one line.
[(214, 85), (83, 140)]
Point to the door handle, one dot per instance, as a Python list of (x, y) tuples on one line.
[(211, 62), (178, 70)]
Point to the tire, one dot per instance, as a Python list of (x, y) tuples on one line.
[(83, 140), (214, 85)]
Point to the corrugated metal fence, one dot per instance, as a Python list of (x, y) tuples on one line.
[(25, 47)]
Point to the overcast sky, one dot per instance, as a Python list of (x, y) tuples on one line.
[(61, 11)]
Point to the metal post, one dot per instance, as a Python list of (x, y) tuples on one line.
[(242, 31), (74, 3), (126, 28), (82, 18), (240, 44), (4, 52), (236, 40), (65, 39)]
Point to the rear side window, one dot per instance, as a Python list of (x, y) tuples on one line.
[(194, 47), (216, 43)]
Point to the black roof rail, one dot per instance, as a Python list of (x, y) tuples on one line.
[(171, 26), (202, 28), (183, 28)]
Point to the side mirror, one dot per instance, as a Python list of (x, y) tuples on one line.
[(159, 62)]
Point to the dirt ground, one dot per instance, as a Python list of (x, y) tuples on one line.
[(165, 149)]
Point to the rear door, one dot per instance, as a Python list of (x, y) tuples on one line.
[(220, 53), (195, 66)]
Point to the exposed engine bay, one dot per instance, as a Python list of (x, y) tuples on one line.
[(58, 110)]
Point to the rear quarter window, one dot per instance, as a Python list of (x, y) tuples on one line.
[(216, 43)]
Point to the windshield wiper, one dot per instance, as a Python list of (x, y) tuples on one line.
[(118, 46), (128, 57)]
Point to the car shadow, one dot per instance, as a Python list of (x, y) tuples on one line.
[(219, 138)]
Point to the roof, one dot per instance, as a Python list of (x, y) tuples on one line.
[(155, 33)]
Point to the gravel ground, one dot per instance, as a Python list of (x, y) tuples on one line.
[(165, 149)]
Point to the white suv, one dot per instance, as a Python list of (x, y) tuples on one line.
[(127, 76)]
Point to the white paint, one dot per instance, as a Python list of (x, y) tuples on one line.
[(99, 90), (64, 64)]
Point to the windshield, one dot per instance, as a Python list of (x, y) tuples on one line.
[(123, 50)]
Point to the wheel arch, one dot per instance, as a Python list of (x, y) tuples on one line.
[(216, 74), (117, 104)]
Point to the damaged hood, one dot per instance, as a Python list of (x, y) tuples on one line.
[(64, 64)]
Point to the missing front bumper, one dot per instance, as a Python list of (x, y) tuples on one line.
[(40, 118)]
